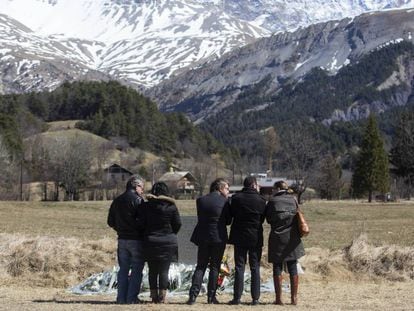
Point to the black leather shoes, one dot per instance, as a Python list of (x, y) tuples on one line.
[(191, 300), (234, 302), (255, 302), (212, 300)]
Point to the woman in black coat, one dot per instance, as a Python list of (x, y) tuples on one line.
[(285, 244), (162, 223)]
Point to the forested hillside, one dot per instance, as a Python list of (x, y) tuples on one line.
[(313, 104), (108, 109)]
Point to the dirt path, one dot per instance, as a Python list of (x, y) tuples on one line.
[(317, 295)]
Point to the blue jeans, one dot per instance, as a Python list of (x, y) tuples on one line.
[(130, 257)]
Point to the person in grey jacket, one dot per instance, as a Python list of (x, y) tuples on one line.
[(124, 218), (210, 235), (247, 209), (285, 244)]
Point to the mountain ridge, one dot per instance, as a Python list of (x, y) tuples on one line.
[(285, 56), (145, 42)]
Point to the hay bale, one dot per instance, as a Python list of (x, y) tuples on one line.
[(325, 263), (392, 262), (54, 261)]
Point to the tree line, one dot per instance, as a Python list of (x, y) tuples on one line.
[(311, 100), (287, 137), (108, 109), (309, 151)]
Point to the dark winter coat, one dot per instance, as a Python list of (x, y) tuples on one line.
[(213, 216), (161, 222), (284, 238), (124, 216), (247, 209)]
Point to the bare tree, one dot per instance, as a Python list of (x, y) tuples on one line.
[(101, 159), (4, 165), (254, 164), (271, 143), (71, 160), (328, 180), (301, 152), (4, 154), (38, 161), (204, 172), (8, 173)]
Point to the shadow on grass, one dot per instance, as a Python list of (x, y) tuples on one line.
[(92, 302), (97, 302)]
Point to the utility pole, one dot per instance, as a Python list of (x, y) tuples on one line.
[(153, 174), (233, 174), (21, 179)]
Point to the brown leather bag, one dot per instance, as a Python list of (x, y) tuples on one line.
[(303, 225)]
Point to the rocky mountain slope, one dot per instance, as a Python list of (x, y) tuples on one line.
[(284, 56), (32, 63), (140, 43), (143, 42)]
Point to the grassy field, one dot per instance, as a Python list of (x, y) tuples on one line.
[(333, 224), (67, 219), (47, 246)]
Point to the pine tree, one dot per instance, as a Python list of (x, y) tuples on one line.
[(371, 170)]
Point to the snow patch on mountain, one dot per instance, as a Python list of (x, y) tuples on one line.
[(144, 42)]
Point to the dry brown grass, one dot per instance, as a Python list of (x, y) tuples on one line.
[(67, 129), (313, 295), (392, 262), (45, 247), (335, 224), (53, 261), (56, 219), (62, 125)]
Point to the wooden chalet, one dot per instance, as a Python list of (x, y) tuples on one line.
[(182, 184)]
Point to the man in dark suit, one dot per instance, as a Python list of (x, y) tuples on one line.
[(210, 235), (247, 209)]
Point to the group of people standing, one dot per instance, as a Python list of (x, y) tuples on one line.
[(147, 231), (246, 211)]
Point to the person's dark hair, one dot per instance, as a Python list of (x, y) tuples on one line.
[(249, 182), (281, 185), (134, 181), (160, 188), (218, 184)]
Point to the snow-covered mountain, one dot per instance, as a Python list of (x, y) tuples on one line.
[(143, 42), (289, 15), (288, 56)]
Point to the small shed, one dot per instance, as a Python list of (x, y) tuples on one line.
[(182, 184)]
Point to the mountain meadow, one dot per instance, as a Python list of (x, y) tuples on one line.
[(359, 256), (344, 139)]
